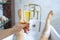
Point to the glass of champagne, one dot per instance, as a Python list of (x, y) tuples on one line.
[(26, 15)]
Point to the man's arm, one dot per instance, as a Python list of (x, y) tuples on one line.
[(15, 29), (6, 32)]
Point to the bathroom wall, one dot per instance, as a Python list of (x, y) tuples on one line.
[(17, 6), (46, 6)]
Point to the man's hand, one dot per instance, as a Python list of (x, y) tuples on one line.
[(25, 28), (18, 27)]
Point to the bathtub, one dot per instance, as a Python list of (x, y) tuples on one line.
[(35, 34), (55, 29)]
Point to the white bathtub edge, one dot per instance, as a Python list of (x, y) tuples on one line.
[(55, 31)]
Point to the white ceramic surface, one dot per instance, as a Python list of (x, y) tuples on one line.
[(55, 35), (34, 25)]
